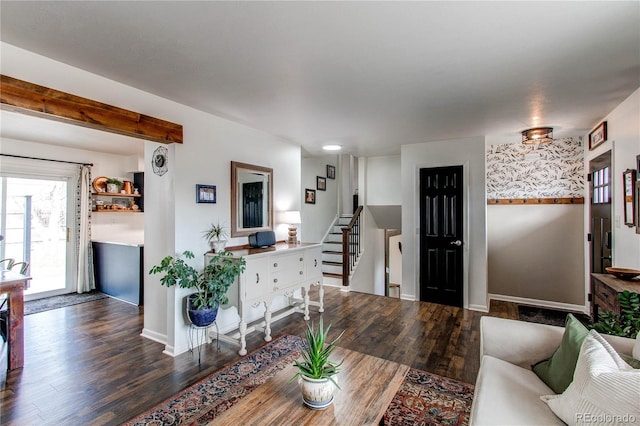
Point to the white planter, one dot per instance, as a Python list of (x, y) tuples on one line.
[(218, 245), (317, 393), (113, 188)]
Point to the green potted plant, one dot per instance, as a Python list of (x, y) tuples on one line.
[(316, 373), (624, 324), (216, 236), (210, 284), (113, 185)]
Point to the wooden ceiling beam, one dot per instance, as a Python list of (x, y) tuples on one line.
[(28, 98)]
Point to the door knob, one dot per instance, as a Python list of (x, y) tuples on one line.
[(456, 243)]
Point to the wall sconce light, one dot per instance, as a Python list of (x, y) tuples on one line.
[(537, 136), (292, 217)]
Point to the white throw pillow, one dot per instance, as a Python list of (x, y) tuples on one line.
[(605, 389)]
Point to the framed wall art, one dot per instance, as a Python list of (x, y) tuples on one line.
[(321, 183), (206, 194), (629, 179), (331, 171), (309, 196), (598, 135)]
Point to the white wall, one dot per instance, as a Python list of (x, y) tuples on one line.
[(535, 253), (623, 130), (316, 218), (383, 180), (173, 220), (470, 153)]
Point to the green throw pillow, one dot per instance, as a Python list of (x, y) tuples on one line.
[(557, 371)]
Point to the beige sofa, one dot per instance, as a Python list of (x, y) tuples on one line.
[(507, 391)]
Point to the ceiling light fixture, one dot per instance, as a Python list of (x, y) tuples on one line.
[(537, 136), (332, 147)]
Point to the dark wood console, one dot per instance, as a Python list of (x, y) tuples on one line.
[(604, 292)]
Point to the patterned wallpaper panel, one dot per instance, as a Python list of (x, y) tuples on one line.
[(558, 173)]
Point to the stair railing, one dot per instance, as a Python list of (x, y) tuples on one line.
[(350, 245)]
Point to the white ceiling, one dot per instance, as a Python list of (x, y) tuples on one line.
[(368, 75)]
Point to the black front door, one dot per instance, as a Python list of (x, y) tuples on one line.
[(441, 253), (600, 211)]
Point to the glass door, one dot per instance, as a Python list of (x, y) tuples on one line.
[(35, 226)]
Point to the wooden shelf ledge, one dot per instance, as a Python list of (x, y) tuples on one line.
[(491, 201)]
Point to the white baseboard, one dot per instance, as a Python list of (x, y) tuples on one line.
[(169, 350), (543, 303), (480, 308), (409, 297), (153, 335)]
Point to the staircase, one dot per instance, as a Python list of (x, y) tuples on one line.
[(345, 232), (332, 252)]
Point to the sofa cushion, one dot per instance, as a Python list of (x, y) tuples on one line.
[(506, 394), (636, 347), (604, 389), (557, 371)]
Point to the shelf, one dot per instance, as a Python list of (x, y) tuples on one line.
[(116, 211), (115, 194)]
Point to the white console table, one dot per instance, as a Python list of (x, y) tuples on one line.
[(271, 272)]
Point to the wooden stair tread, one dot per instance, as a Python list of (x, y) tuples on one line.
[(331, 252), (392, 285), (331, 274)]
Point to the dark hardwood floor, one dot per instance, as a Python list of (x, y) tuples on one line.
[(87, 364)]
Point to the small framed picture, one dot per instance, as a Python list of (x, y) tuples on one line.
[(637, 167), (309, 196), (321, 183), (331, 171), (598, 135), (205, 194)]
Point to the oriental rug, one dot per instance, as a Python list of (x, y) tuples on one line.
[(423, 398)]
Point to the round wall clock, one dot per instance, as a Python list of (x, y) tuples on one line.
[(159, 160)]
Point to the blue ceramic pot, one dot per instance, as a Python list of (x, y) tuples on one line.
[(200, 317)]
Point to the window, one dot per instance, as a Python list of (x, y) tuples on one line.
[(601, 186)]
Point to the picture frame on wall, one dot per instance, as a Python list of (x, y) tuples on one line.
[(331, 171), (598, 135), (309, 196), (629, 189), (321, 183), (206, 194)]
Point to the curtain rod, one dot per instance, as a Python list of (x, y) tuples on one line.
[(47, 159)]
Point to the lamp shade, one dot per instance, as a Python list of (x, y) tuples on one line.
[(290, 216)]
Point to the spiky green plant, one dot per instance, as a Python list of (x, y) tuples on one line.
[(315, 362), (627, 322)]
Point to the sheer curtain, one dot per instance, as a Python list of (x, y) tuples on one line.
[(86, 279)]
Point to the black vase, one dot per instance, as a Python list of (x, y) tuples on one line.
[(200, 317)]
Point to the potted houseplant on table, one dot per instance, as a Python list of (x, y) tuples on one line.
[(316, 374), (113, 185), (210, 284), (216, 236)]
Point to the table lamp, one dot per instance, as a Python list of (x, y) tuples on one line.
[(292, 217)]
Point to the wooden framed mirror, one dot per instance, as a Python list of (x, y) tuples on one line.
[(251, 199), (629, 179)]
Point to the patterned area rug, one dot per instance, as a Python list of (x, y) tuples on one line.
[(55, 302), (423, 398), (548, 316), (428, 399)]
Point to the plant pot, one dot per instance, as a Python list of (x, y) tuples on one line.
[(317, 393), (113, 188), (200, 317), (218, 245)]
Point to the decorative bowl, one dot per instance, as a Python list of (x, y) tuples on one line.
[(623, 273)]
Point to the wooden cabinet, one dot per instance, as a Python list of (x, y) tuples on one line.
[(604, 293), (274, 272)]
